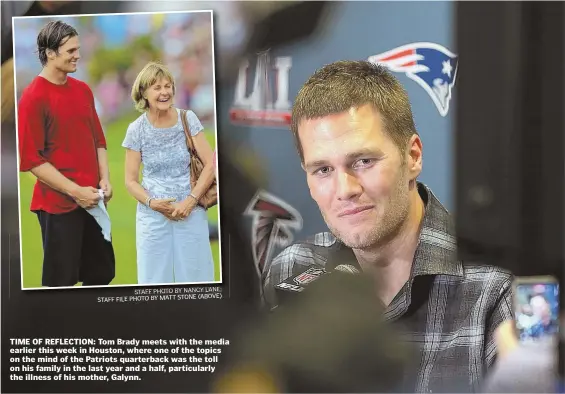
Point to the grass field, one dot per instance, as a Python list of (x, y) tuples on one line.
[(122, 213)]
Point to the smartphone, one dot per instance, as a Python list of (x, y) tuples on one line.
[(536, 308)]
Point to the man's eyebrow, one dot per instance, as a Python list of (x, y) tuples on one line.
[(364, 152), (350, 157), (315, 164)]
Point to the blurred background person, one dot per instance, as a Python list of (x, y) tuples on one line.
[(172, 235), (537, 315), (544, 324)]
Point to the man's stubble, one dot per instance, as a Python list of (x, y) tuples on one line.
[(387, 226)]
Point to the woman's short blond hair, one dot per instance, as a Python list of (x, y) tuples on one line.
[(152, 72)]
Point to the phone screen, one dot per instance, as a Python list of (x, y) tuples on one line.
[(537, 314)]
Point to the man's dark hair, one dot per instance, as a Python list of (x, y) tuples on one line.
[(52, 36), (342, 85)]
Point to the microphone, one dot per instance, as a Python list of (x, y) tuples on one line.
[(297, 284)]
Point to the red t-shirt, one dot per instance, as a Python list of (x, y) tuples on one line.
[(58, 124)]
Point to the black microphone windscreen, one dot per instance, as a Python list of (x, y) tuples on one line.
[(331, 338)]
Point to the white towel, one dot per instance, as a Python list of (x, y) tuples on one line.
[(101, 215)]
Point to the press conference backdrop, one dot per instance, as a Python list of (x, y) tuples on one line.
[(353, 30)]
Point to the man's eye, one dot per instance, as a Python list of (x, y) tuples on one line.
[(364, 163), (322, 171)]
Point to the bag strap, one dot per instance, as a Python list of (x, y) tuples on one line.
[(189, 141)]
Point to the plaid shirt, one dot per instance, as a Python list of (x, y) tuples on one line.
[(449, 309)]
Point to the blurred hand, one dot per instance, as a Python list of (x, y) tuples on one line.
[(86, 197), (107, 189), (184, 208), (506, 338), (163, 206)]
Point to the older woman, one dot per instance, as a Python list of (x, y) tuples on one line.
[(172, 235)]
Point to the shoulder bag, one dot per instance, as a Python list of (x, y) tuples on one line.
[(210, 197)]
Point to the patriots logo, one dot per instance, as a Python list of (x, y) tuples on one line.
[(273, 223), (430, 65)]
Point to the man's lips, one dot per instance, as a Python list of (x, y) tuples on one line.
[(354, 211)]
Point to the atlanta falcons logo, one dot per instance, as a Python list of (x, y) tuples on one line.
[(273, 223)]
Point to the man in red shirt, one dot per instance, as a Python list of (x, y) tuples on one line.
[(62, 143)]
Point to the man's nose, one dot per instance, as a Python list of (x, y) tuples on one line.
[(348, 186)]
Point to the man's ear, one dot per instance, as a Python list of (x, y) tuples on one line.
[(414, 156), (51, 54)]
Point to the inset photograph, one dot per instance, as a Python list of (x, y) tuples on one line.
[(116, 124)]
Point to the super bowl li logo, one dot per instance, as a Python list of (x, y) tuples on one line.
[(262, 99)]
